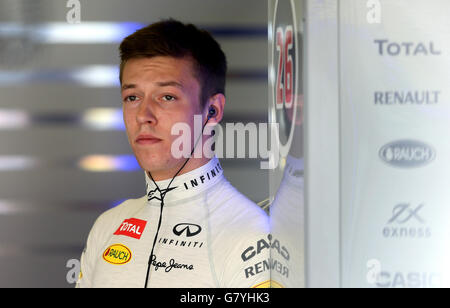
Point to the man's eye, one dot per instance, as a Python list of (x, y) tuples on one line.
[(168, 97), (130, 98)]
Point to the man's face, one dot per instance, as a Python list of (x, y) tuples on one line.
[(157, 93)]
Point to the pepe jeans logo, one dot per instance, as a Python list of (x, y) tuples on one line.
[(171, 265), (189, 229), (407, 153)]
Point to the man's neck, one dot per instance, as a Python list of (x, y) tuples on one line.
[(192, 164)]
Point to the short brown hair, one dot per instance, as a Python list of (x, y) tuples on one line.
[(172, 38)]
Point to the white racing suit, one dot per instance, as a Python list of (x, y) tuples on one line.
[(210, 236)]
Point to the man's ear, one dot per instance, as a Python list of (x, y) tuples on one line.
[(217, 101)]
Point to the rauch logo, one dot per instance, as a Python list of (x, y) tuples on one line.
[(407, 154), (117, 254)]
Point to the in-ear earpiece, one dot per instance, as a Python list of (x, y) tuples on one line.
[(211, 112)]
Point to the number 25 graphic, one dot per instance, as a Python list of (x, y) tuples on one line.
[(284, 43)]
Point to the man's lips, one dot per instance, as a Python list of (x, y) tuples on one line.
[(147, 139)]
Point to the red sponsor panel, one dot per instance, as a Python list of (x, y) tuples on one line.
[(131, 227)]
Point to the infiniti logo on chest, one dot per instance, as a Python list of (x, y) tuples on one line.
[(189, 229)]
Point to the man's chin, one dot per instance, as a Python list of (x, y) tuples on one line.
[(161, 168)]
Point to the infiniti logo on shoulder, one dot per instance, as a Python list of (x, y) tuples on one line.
[(407, 153)]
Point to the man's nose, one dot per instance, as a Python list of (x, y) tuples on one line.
[(146, 112)]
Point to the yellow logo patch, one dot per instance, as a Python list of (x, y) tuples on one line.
[(117, 254), (268, 284)]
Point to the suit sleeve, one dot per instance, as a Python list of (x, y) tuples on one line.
[(248, 264), (88, 259), (244, 255)]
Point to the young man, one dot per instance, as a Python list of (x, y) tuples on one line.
[(192, 228)]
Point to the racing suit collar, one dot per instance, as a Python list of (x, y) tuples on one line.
[(185, 185)]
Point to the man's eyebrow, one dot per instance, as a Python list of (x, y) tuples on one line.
[(161, 84), (128, 86), (170, 83)]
